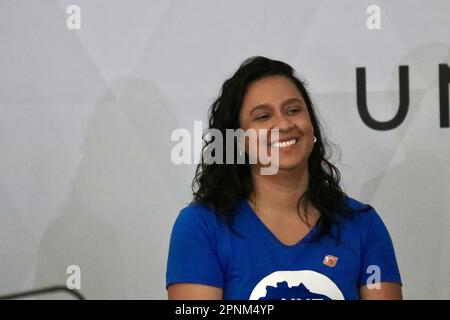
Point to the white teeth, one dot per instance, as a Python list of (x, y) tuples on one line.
[(284, 144)]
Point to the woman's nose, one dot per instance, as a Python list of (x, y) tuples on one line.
[(283, 123)]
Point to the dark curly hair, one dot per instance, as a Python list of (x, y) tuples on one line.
[(220, 187)]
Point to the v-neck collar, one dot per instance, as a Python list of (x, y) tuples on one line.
[(266, 229)]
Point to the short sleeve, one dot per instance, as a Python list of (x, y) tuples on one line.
[(379, 263), (193, 256)]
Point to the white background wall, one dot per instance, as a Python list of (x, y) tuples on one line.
[(86, 117)]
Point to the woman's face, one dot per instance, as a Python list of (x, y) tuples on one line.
[(274, 102)]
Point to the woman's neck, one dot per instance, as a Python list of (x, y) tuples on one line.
[(279, 194)]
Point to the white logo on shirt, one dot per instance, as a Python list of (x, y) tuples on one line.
[(296, 285)]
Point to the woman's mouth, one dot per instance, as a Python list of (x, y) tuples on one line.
[(284, 144)]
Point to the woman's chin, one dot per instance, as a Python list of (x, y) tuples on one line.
[(288, 164), (291, 165)]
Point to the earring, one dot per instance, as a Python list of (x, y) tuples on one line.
[(315, 139)]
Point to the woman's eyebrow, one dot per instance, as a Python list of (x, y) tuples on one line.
[(291, 100), (285, 102)]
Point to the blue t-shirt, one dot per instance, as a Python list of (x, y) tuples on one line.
[(204, 250)]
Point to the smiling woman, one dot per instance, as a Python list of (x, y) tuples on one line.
[(291, 235)]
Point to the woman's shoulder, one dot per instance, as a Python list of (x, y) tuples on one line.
[(362, 224), (356, 205), (196, 208), (376, 242), (364, 214), (197, 223), (197, 215)]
